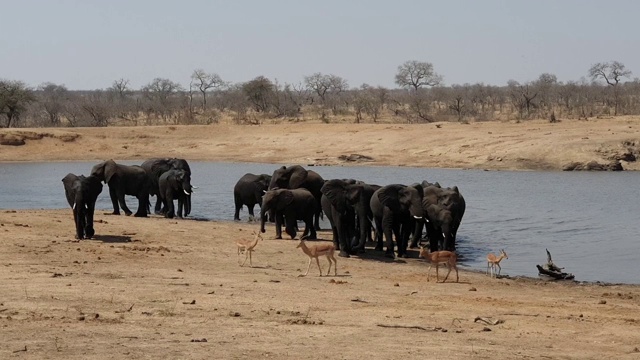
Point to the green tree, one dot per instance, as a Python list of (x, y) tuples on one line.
[(14, 98)]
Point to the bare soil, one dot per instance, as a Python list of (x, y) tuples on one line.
[(160, 288)]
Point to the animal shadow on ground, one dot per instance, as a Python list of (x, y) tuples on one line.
[(112, 238)]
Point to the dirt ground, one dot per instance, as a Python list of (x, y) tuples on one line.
[(158, 288), (532, 145)]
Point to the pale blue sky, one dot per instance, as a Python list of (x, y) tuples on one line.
[(86, 44)]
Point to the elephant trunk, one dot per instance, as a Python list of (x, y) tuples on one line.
[(263, 217)]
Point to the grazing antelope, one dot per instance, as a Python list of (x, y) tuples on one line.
[(317, 250), (248, 247), (493, 261), (440, 257)]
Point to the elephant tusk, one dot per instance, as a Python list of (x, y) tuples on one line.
[(417, 217), (74, 206), (186, 192)]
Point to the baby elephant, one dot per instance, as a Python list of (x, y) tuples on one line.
[(82, 193)]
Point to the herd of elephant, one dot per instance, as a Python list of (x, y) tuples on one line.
[(354, 208), (167, 179)]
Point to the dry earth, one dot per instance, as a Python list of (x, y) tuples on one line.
[(533, 145), (160, 288)]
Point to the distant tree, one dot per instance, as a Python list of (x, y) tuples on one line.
[(260, 93), (546, 86), (160, 93), (14, 98), (612, 72), (204, 81), (415, 74), (120, 88), (97, 105), (522, 97), (53, 99), (328, 88)]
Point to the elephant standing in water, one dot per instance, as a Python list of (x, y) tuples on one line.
[(174, 184), (292, 205), (395, 208), (346, 203), (155, 168), (82, 193), (248, 191), (294, 177), (444, 209), (124, 180)]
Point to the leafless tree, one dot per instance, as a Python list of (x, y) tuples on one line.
[(328, 88), (120, 88), (522, 97), (98, 106), (204, 81), (160, 92), (415, 74), (14, 98), (545, 87), (53, 100), (612, 72)]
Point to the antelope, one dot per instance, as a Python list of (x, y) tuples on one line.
[(317, 250), (493, 261), (440, 257), (248, 247)]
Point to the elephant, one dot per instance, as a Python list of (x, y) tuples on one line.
[(174, 184), (82, 193), (346, 204), (155, 168), (124, 180), (293, 205), (444, 209), (394, 209), (296, 176), (248, 191)]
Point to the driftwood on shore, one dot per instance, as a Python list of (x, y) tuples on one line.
[(553, 271)]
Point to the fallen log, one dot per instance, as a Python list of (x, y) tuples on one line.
[(550, 269)]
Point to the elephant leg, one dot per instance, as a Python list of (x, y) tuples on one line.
[(158, 207), (309, 229), (180, 207), (290, 225), (122, 203), (279, 220), (388, 230), (343, 233), (252, 216), (142, 205), (168, 204), (187, 206), (238, 203), (113, 194), (379, 244), (417, 234)]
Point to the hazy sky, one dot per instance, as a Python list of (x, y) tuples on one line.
[(87, 44)]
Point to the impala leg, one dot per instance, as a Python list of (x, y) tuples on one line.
[(245, 258), (318, 262), (428, 272), (308, 267), (437, 273), (499, 268), (251, 263), (448, 272)]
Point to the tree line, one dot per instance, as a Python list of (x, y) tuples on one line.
[(421, 96)]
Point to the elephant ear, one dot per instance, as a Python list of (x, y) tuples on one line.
[(388, 196), (335, 191), (419, 188), (110, 170), (353, 193), (298, 177), (287, 197)]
